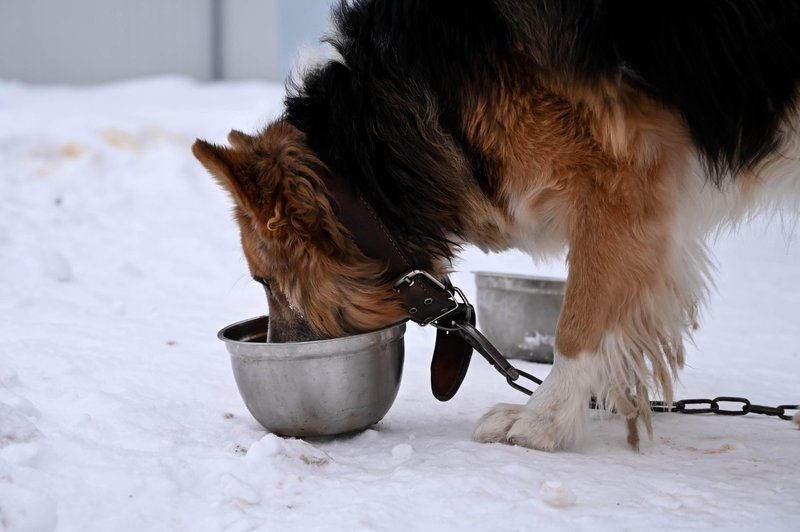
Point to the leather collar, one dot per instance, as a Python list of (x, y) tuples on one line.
[(428, 300)]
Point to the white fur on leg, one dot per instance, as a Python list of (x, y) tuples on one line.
[(494, 425), (555, 414)]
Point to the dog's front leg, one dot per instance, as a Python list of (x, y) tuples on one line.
[(555, 414), (620, 328)]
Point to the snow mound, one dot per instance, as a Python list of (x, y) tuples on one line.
[(272, 447), (8, 378), (402, 451), (56, 266), (556, 494)]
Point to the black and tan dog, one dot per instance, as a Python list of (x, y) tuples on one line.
[(624, 131)]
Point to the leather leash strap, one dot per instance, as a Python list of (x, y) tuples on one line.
[(426, 298)]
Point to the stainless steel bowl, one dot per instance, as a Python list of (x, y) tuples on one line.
[(519, 313), (318, 388)]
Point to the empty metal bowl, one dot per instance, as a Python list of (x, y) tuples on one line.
[(519, 313), (318, 388)]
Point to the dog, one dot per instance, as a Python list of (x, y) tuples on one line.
[(623, 132)]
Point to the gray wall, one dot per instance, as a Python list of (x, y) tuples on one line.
[(90, 41)]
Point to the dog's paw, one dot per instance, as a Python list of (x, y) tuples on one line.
[(528, 426), (536, 430), (547, 427), (494, 425), (549, 421), (555, 415)]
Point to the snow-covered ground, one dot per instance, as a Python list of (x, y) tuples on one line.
[(119, 261)]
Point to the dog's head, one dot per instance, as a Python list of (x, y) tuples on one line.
[(317, 281)]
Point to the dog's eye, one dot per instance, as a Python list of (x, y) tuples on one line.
[(262, 281)]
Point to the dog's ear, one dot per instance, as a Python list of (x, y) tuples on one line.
[(240, 140), (278, 180), (225, 165), (299, 201), (287, 190)]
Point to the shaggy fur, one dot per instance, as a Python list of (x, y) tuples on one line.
[(624, 131)]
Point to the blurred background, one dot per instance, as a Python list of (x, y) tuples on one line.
[(94, 41)]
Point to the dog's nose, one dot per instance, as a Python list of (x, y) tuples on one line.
[(293, 329), (301, 332)]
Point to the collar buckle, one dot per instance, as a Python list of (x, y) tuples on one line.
[(444, 294)]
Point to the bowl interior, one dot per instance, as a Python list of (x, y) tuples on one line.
[(252, 330), (248, 339)]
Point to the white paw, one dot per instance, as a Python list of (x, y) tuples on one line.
[(554, 416), (546, 429), (494, 425), (535, 431), (534, 426)]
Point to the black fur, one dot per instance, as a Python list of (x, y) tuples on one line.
[(731, 67), (388, 121)]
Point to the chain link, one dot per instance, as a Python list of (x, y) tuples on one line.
[(712, 406)]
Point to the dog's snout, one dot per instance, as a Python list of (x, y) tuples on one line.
[(298, 332), (285, 324)]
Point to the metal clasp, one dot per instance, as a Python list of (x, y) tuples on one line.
[(409, 278), (465, 329)]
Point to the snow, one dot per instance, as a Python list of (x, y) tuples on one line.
[(119, 261), (556, 494), (536, 339)]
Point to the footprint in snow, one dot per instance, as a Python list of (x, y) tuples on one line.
[(15, 427)]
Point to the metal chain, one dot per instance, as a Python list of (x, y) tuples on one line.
[(684, 406), (712, 406)]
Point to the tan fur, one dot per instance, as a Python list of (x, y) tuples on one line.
[(291, 236), (591, 165)]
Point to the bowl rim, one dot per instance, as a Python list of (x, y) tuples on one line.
[(310, 349), (519, 276)]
